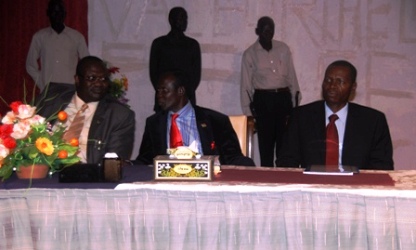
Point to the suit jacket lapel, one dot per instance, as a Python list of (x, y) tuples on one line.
[(318, 121), (98, 119), (161, 130), (205, 131), (351, 125)]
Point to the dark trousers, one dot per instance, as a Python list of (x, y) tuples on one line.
[(273, 110)]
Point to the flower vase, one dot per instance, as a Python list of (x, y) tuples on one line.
[(35, 171)]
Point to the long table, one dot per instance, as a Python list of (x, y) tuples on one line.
[(243, 208)]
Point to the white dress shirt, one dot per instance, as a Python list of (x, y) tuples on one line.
[(58, 54), (262, 69)]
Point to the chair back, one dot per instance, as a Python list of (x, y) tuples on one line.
[(244, 128)]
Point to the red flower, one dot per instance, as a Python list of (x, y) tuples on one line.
[(15, 106), (114, 70), (9, 142), (5, 130), (212, 145)]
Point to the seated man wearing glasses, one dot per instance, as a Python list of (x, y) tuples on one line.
[(108, 126)]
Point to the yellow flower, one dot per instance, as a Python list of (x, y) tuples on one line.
[(125, 82), (117, 81), (44, 145)]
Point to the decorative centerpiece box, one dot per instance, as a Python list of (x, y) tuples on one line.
[(183, 164)]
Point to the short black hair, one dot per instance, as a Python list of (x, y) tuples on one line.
[(86, 61), (53, 3), (344, 63), (263, 21), (175, 11)]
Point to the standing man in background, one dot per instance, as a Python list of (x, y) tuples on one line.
[(58, 48), (176, 51), (268, 77)]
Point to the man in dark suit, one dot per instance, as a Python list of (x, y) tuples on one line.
[(209, 131), (109, 125), (176, 51), (364, 137)]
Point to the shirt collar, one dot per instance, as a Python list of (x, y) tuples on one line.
[(258, 46), (342, 113), (184, 111), (51, 30), (78, 103)]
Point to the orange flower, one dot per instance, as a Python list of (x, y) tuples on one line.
[(62, 115), (125, 82), (74, 142), (44, 145), (63, 154)]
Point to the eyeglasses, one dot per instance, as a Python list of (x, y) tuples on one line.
[(96, 78)]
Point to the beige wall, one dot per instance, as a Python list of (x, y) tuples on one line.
[(378, 37)]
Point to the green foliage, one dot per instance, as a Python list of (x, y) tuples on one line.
[(27, 139)]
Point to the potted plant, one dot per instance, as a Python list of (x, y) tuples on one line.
[(28, 141)]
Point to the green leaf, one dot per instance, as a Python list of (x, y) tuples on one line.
[(70, 149)]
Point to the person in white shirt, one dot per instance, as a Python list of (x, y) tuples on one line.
[(268, 78), (58, 48)]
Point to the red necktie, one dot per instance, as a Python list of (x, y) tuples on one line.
[(175, 134), (332, 144)]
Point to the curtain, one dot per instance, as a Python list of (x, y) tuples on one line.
[(19, 20)]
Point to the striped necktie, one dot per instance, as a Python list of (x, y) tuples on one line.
[(74, 130)]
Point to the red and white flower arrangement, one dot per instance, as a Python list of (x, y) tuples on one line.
[(26, 138)]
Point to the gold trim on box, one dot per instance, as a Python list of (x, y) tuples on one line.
[(182, 153), (168, 168)]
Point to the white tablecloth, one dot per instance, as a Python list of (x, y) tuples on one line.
[(191, 215)]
